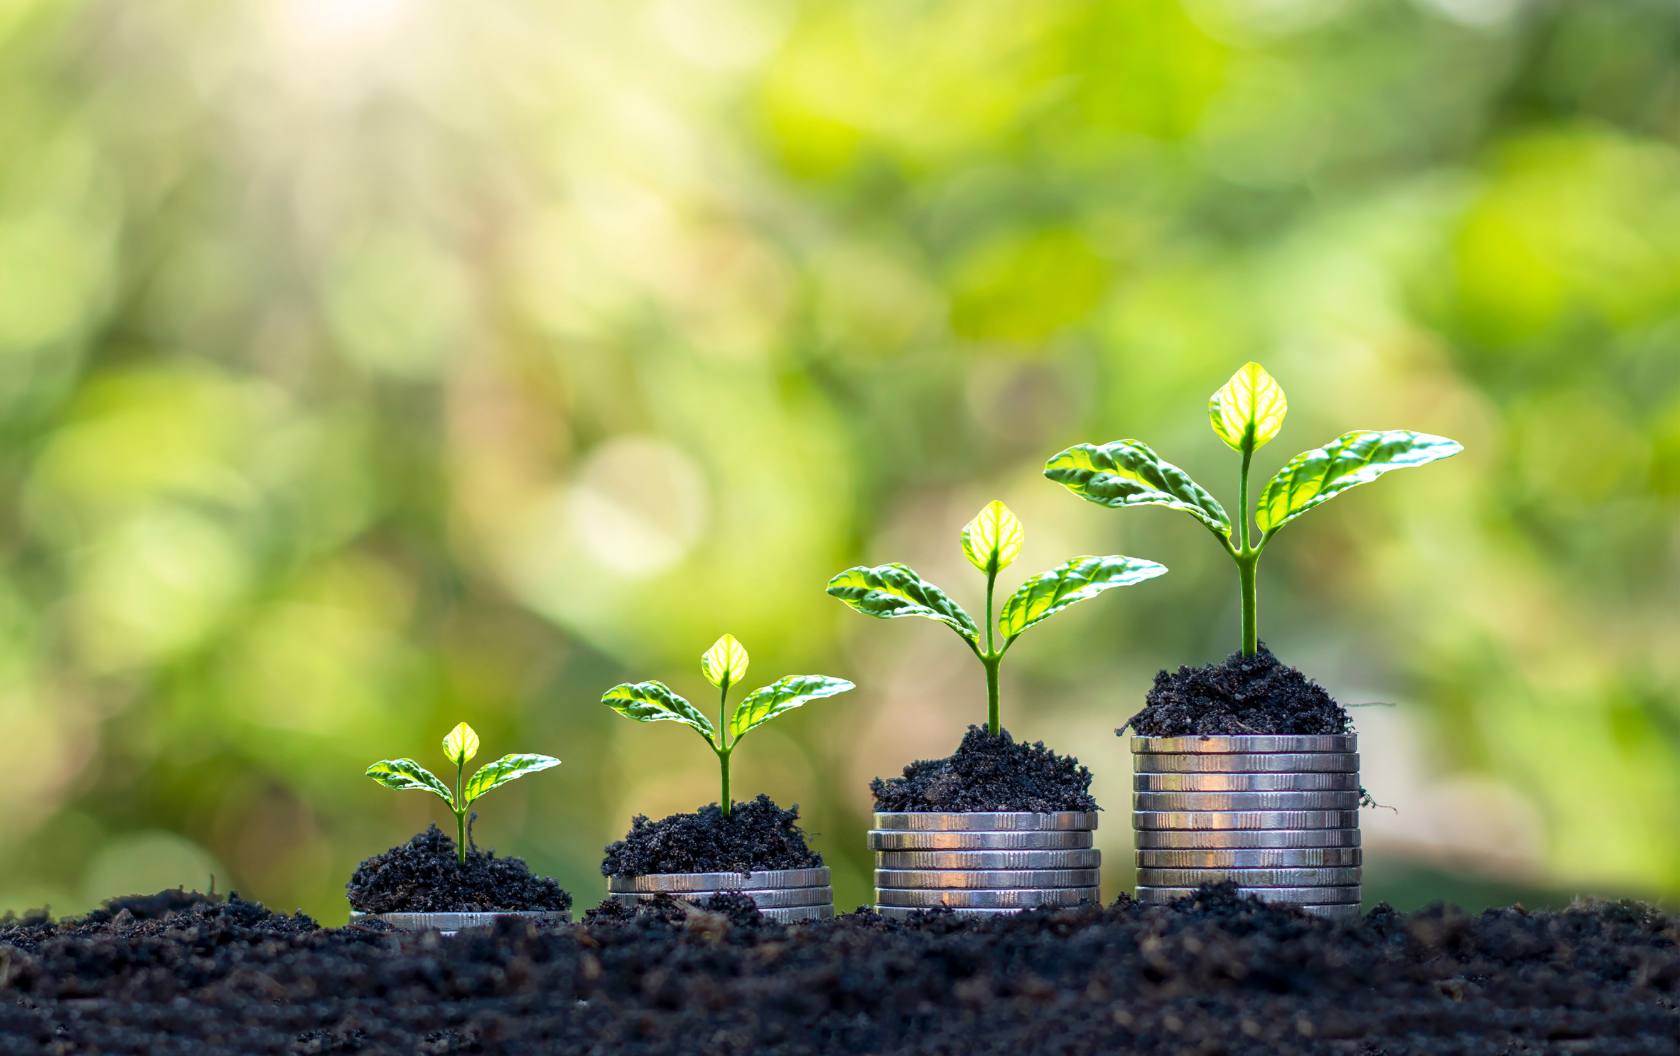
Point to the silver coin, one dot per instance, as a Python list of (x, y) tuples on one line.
[(1297, 858), (799, 914), (908, 912), (450, 923), (777, 898), (1245, 800), (1296, 782), (1182, 840), (987, 879), (1315, 896), (1019, 898), (905, 840), (1247, 878), (762, 880), (1245, 745), (985, 821), (1281, 763), (1227, 820), (988, 859)]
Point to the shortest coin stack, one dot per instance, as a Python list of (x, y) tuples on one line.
[(983, 863), (1278, 816), (786, 895)]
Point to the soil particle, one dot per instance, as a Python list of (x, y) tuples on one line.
[(424, 876), (756, 835), (1256, 694), (989, 773), (1211, 974)]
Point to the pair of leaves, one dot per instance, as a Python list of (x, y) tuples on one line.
[(459, 746), (655, 702), (894, 590)]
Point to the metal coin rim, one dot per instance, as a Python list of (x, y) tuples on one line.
[(764, 898), (1338, 800), (1302, 876), (1085, 858), (1242, 820), (1243, 839), (1286, 781), (673, 883), (986, 879), (986, 821), (1251, 858), (1280, 763), (1246, 744), (1028, 897), (980, 840)]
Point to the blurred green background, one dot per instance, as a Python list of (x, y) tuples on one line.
[(369, 365)]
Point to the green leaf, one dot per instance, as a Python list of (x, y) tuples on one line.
[(1048, 593), (725, 662), (891, 591), (992, 541), (1248, 410), (406, 774), (784, 694), (507, 768), (654, 702), (1317, 476), (461, 744), (1128, 473)]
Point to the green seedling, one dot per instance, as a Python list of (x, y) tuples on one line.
[(1247, 412), (991, 542), (459, 747), (723, 664)]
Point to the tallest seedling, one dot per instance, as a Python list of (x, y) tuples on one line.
[(1247, 412)]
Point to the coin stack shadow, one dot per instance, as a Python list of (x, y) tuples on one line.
[(983, 863), (1278, 816), (786, 895)]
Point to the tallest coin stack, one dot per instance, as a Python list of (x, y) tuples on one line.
[(1278, 816)]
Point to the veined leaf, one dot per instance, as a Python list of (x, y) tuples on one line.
[(1248, 410), (654, 702), (1317, 476), (992, 541), (1128, 473), (405, 774), (784, 694), (725, 662), (461, 744), (1048, 593), (890, 591), (507, 768)]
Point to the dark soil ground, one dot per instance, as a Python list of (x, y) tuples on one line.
[(424, 876), (756, 835), (1256, 694), (989, 773), (176, 974)]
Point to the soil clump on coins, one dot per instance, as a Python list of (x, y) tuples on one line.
[(757, 835), (1239, 696), (988, 773)]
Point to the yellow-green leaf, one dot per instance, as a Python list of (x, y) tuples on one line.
[(1317, 476), (1048, 593), (408, 775), (1248, 410), (894, 590), (461, 744), (507, 768), (1129, 473), (725, 662), (992, 541), (782, 695), (654, 702)]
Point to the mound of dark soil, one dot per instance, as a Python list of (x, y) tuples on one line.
[(424, 876), (989, 773), (756, 835), (1211, 974), (1256, 694)]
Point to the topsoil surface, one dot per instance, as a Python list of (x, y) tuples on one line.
[(1240, 695), (424, 876), (756, 835), (180, 974), (989, 773)]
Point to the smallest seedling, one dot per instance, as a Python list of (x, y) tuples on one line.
[(459, 747)]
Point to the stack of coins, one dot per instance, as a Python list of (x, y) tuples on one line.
[(787, 895), (1278, 816), (983, 863)]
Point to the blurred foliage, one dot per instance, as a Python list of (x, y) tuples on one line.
[(366, 365)]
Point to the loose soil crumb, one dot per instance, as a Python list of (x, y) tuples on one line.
[(1210, 974), (424, 876), (756, 835), (989, 773), (1240, 695)]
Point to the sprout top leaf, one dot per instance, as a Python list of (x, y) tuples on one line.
[(461, 744), (993, 539), (725, 663), (1248, 411)]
